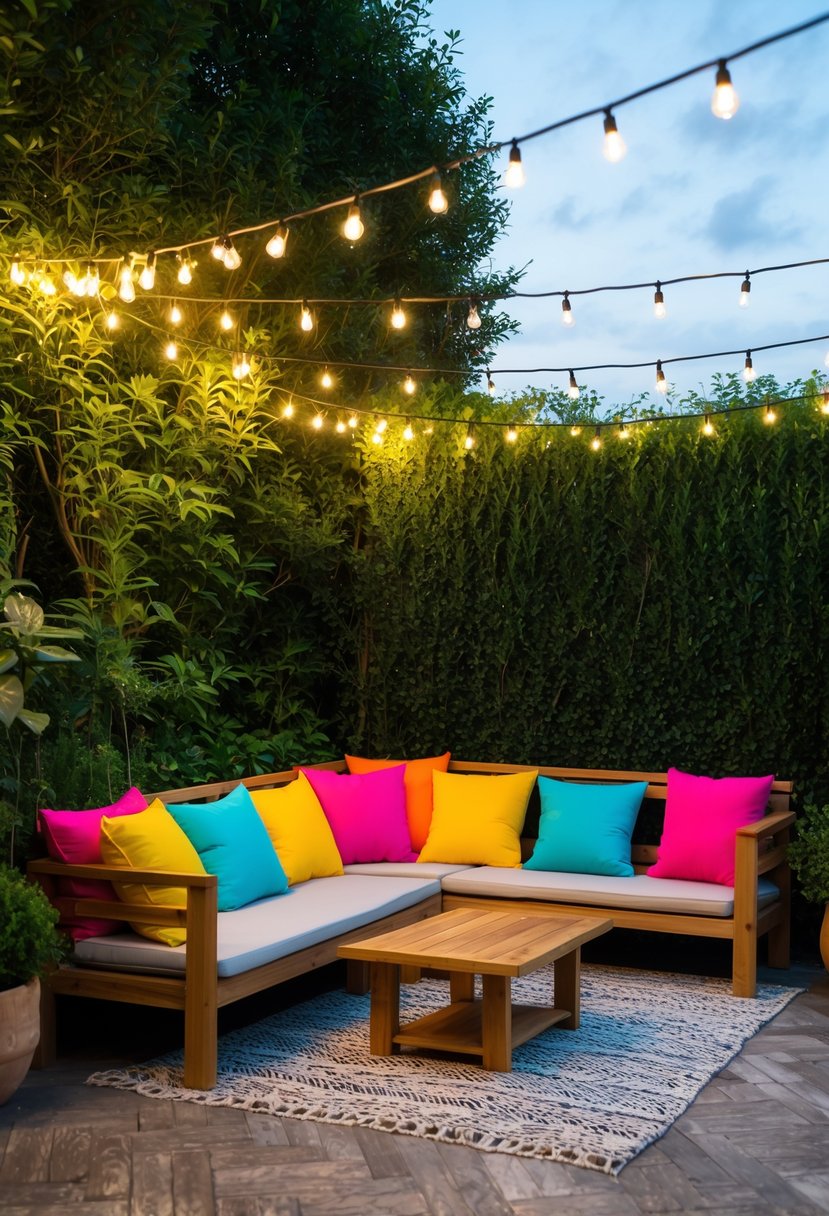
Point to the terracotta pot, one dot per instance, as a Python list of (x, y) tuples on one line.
[(824, 937), (19, 1034)]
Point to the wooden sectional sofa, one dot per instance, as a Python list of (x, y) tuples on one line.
[(758, 905)]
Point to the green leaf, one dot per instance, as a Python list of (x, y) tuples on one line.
[(8, 658), (56, 654), (35, 721), (23, 614), (11, 699)]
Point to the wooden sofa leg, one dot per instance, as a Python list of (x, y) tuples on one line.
[(201, 996), (46, 1050), (744, 975)]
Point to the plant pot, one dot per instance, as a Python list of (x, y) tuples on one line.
[(19, 1034), (824, 937)]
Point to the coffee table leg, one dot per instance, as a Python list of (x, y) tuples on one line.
[(496, 1023), (461, 986), (567, 973), (385, 1008)]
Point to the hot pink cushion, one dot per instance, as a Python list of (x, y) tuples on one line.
[(702, 815), (75, 837), (367, 813)]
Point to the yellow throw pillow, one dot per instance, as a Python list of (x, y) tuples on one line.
[(299, 831), (150, 840), (477, 820)]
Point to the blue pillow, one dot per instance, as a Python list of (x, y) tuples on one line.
[(586, 829), (233, 843)]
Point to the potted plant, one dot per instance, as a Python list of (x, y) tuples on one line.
[(29, 944), (809, 858)]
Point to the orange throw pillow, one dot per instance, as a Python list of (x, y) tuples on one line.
[(417, 782)]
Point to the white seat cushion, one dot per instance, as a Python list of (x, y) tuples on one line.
[(640, 892), (405, 869), (309, 913)]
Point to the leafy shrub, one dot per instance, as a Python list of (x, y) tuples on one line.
[(29, 940), (809, 852)]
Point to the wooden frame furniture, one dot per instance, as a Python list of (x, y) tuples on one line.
[(498, 946)]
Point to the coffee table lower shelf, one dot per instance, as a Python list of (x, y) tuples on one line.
[(459, 1027)]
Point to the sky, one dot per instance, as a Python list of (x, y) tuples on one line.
[(694, 194)]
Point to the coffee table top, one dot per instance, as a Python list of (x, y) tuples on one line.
[(484, 943)]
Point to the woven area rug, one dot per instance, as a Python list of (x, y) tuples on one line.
[(594, 1097)]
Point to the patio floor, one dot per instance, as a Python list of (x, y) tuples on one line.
[(755, 1141)]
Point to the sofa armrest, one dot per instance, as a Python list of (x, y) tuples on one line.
[(770, 825), (152, 878)]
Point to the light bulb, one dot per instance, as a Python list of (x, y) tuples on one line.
[(573, 388), (232, 257), (511, 435), (725, 102), (624, 432), (226, 321), (490, 383), (469, 443), (567, 317), (219, 248), (514, 177), (575, 430), (398, 316), (288, 410), (409, 385), (126, 287), (306, 320), (175, 315), (326, 379), (146, 279), (171, 350), (93, 280), (381, 425), (317, 422), (596, 441), (408, 433), (75, 285), (707, 426), (276, 245), (353, 228), (340, 427), (112, 321), (185, 271), (437, 199), (661, 382), (769, 417), (745, 289), (377, 437), (659, 309), (749, 374), (352, 422), (473, 321), (17, 274), (614, 147), (824, 408), (47, 285), (241, 366)]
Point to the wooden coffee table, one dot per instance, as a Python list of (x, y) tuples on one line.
[(467, 942)]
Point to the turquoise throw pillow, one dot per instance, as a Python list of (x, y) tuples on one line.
[(586, 829), (233, 843)]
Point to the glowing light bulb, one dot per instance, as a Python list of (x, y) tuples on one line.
[(352, 422), (614, 147), (567, 317), (596, 441), (708, 426), (824, 408), (226, 321), (490, 383), (112, 321), (340, 427), (469, 443), (437, 199), (745, 289), (278, 242), (398, 316), (93, 280), (377, 437), (317, 422), (171, 350), (749, 374), (409, 385), (473, 321), (47, 284), (624, 431), (306, 320), (75, 285), (661, 382), (769, 417), (126, 287), (146, 279), (288, 410), (232, 257), (326, 380), (381, 426), (514, 177), (219, 248), (575, 430), (185, 271), (353, 228), (725, 102), (241, 366), (175, 315), (408, 433), (573, 388), (511, 435), (659, 309), (17, 274)]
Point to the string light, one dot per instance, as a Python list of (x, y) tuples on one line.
[(749, 374), (661, 382), (408, 433), (340, 427), (725, 103), (377, 437), (769, 417), (614, 148), (232, 258), (573, 388), (306, 319), (185, 271), (596, 441), (469, 441), (317, 422), (575, 430), (126, 287), (175, 315), (515, 177), (217, 250), (17, 274), (277, 244), (241, 366), (171, 350), (353, 421), (567, 317), (824, 409), (473, 320), (288, 410), (659, 309), (326, 379), (398, 316), (511, 435), (708, 426), (113, 321), (624, 431), (75, 285), (745, 291), (226, 321), (353, 228), (381, 426), (146, 279), (437, 199), (409, 385), (490, 383)]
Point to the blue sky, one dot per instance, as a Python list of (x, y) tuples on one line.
[(694, 194)]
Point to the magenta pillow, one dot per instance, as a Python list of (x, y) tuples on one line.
[(74, 837), (367, 813), (702, 815)]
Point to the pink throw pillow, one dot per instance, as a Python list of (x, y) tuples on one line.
[(74, 837), (367, 813), (702, 815)]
